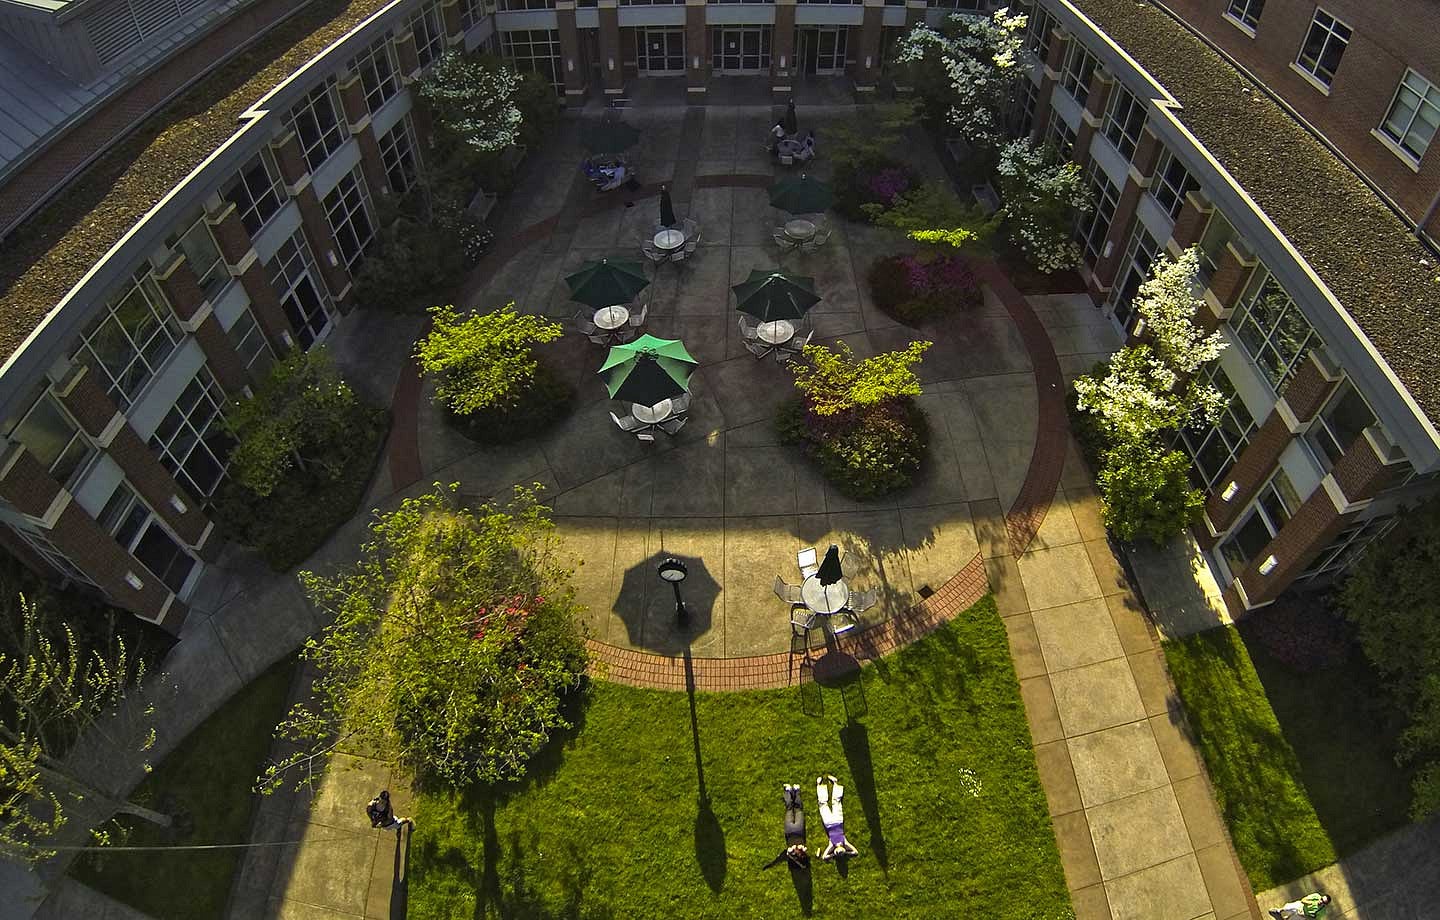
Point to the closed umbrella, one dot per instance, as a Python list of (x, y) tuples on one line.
[(792, 126), (667, 209), (801, 195), (609, 137), (771, 296), (647, 370), (829, 572), (607, 282)]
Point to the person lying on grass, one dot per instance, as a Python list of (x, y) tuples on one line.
[(794, 830), (832, 815)]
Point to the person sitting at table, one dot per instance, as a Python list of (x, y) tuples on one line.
[(806, 152), (832, 815), (777, 136), (795, 850)]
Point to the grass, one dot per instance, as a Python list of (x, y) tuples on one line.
[(206, 782), (658, 806), (1258, 780)]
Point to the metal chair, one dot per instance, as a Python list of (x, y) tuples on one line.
[(653, 253), (747, 328), (680, 255), (644, 436), (784, 241), (792, 349), (808, 561), (691, 229), (816, 241), (629, 423), (757, 348), (636, 319), (861, 601), (842, 623), (802, 620), (599, 338), (584, 323), (680, 404), (787, 592), (673, 424)]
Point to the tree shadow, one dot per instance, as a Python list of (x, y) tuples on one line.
[(400, 883), (709, 835), (855, 741), (516, 896)]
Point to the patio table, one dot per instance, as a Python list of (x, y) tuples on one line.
[(669, 240), (799, 229), (824, 599), (651, 415), (611, 318), (776, 332)]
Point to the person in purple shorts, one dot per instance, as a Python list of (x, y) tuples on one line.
[(832, 815)]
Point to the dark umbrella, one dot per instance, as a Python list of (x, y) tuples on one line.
[(667, 209), (801, 195), (609, 137), (769, 296), (829, 572), (607, 282), (647, 370), (791, 125)]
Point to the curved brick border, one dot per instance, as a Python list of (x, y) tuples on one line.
[(783, 669)]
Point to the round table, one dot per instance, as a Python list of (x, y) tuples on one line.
[(825, 599), (799, 229), (652, 414), (611, 318), (669, 240), (775, 332)]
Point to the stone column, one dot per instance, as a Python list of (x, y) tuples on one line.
[(572, 64), (612, 62), (1137, 180), (1101, 85), (1190, 225), (782, 48), (867, 57), (312, 217), (697, 53), (197, 316), (1054, 60), (357, 118), (243, 262)]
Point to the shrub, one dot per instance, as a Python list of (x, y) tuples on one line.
[(415, 263), (1302, 635), (1147, 493), (914, 289), (546, 401), (876, 180), (865, 452)]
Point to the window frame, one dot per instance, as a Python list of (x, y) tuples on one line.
[(1346, 547), (1061, 136), (1259, 508), (114, 518), (1322, 436), (1245, 13), (77, 446), (1423, 99), (1233, 438), (253, 213), (327, 138), (243, 334), (428, 26), (151, 355), (175, 450), (197, 235), (1316, 69), (293, 265), (379, 87), (1262, 282), (1164, 170), (1076, 67), (1119, 132), (1106, 197), (350, 197), (392, 157), (522, 53)]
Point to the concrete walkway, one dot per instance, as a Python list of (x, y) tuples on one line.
[(1394, 878)]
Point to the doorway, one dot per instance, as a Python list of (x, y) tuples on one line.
[(821, 51), (740, 49), (660, 50)]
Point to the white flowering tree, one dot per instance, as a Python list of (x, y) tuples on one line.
[(1041, 197), (968, 68), (474, 100), (1167, 303)]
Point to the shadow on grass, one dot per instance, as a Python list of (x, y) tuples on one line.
[(709, 835), (400, 884), (855, 741), (804, 884)]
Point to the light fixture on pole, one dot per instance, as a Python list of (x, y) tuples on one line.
[(672, 570)]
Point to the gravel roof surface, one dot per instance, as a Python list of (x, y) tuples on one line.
[(45, 257), (1385, 278)]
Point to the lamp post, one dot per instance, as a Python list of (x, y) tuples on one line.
[(672, 570)]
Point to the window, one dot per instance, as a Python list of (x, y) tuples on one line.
[(1320, 55), (946, 4), (1414, 115), (1246, 12), (348, 209), (53, 439), (1092, 227), (1347, 547), (376, 69), (191, 440), (1171, 184), (740, 49), (1075, 76), (316, 125), (1274, 505), (429, 29), (250, 344), (1124, 119), (1272, 330), (1217, 233), (1037, 30), (1213, 449), (256, 192), (200, 251), (50, 553), (397, 154), (1345, 416), (527, 5), (130, 339), (1061, 137), (140, 532), (295, 278), (1134, 271), (534, 51), (1025, 116), (471, 12)]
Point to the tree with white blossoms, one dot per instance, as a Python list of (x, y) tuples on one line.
[(976, 63), (474, 100), (1167, 303), (1041, 197)]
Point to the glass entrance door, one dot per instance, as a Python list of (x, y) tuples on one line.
[(739, 49), (660, 51), (822, 50)]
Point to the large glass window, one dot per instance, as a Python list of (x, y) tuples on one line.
[(348, 209), (376, 68), (1274, 506), (1414, 115), (534, 51), (1075, 76), (1038, 29), (191, 440), (1246, 12), (1346, 415), (471, 12), (1272, 329), (50, 553), (1124, 119), (428, 26), (1092, 226), (250, 344), (1171, 184), (130, 339), (1134, 270), (140, 532), (317, 125), (1213, 449), (296, 280), (198, 245), (256, 192), (53, 439), (397, 154), (1217, 233), (1061, 136), (1347, 546), (527, 5), (1324, 44)]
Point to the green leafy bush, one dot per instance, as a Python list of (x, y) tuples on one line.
[(1147, 493), (915, 288), (415, 263)]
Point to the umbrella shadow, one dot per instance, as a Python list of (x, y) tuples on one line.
[(646, 605)]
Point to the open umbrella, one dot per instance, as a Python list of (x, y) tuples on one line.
[(769, 296), (792, 126), (609, 137), (647, 370), (607, 282), (667, 209), (801, 195)]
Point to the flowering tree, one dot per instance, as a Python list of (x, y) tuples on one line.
[(474, 100), (834, 381), (453, 644), (1041, 197), (1168, 304), (486, 360), (1147, 492), (969, 68)]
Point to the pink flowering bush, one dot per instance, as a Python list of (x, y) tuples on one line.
[(915, 288), (889, 184), (876, 180)]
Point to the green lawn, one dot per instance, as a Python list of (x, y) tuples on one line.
[(207, 782), (1257, 777), (942, 797)]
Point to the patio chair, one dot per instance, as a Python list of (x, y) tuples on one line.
[(816, 241), (691, 228), (629, 423), (680, 255), (792, 349), (747, 329), (784, 241), (802, 620), (808, 561), (861, 601), (842, 623), (680, 404), (690, 245), (599, 338), (673, 424), (636, 319), (653, 254), (645, 436), (787, 592), (584, 323), (757, 348)]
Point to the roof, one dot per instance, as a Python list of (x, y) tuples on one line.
[(48, 254), (35, 100), (1382, 275)]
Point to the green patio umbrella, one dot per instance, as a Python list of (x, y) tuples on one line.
[(648, 370), (607, 282), (801, 195), (609, 137), (769, 296)]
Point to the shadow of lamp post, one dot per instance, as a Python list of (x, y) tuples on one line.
[(672, 570)]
